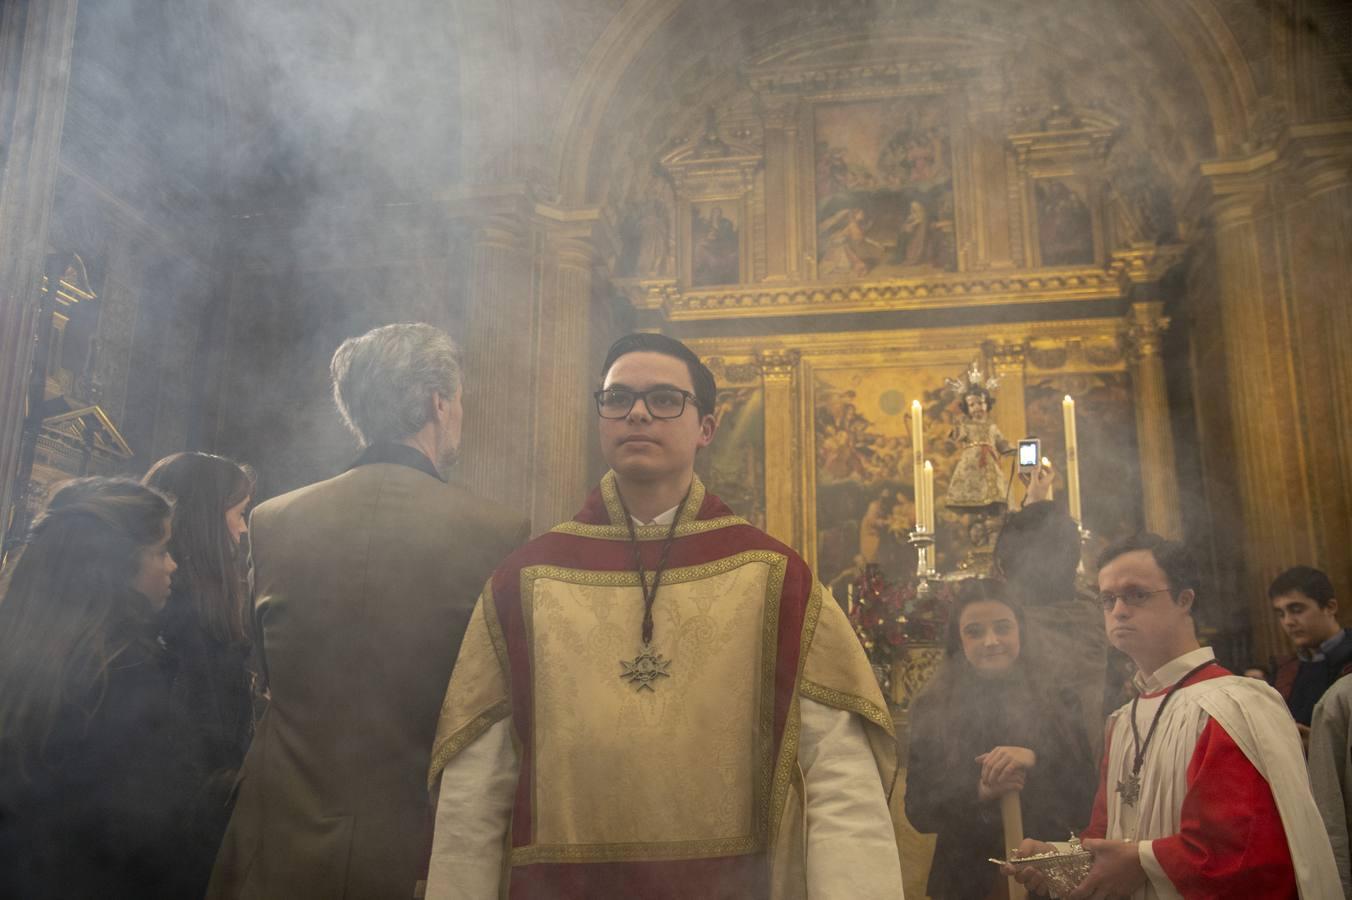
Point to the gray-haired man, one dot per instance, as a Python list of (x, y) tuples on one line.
[(363, 587)]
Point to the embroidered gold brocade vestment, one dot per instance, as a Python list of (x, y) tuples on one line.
[(696, 782)]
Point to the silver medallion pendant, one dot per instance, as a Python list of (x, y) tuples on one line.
[(646, 668), (1130, 789)]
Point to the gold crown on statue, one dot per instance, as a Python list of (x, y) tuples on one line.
[(973, 379)]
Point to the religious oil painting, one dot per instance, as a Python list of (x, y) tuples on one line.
[(864, 470), (715, 254), (733, 466), (884, 188), (1065, 227), (1110, 470)]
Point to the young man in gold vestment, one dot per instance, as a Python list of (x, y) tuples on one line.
[(656, 699)]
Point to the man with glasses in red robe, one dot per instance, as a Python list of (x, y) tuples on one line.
[(1202, 789)]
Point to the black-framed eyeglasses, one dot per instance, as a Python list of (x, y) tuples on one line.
[(1133, 599), (662, 402)]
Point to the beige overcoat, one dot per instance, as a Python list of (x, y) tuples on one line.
[(363, 588)]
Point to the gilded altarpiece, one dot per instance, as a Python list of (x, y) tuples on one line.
[(825, 417)]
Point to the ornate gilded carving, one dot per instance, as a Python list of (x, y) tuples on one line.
[(1146, 327), (778, 364), (939, 291), (733, 373), (1101, 352), (1006, 358), (1145, 263), (819, 78)]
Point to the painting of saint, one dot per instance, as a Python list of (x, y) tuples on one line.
[(1065, 229), (644, 239), (715, 256), (1110, 469), (733, 467), (884, 188), (865, 496)]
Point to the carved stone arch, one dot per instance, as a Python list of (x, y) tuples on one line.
[(1206, 40), (1215, 59)]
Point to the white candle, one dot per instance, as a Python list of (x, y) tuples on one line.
[(918, 461), (929, 496), (1072, 459)]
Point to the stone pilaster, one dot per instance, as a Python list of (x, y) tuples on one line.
[(500, 362), (566, 374), (36, 38), (1270, 438), (528, 348)]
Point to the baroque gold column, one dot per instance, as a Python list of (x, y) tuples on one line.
[(1010, 413), (36, 37), (781, 199), (779, 372), (1154, 433)]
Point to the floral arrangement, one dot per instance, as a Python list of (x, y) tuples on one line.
[(888, 616)]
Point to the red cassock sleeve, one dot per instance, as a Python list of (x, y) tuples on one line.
[(1230, 842), (1098, 819)]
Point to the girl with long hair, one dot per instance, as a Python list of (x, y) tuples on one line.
[(989, 723), (92, 789), (205, 627)]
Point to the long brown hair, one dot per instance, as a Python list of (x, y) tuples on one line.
[(204, 486), (955, 689), (69, 608), (955, 669)]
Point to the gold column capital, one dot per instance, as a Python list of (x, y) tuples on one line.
[(1146, 263), (778, 364), (1146, 325), (1008, 359)]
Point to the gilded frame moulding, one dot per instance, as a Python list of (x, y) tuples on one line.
[(947, 291)]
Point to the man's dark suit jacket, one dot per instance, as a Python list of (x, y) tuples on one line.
[(363, 587)]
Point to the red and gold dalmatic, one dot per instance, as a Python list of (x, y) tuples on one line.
[(691, 788)]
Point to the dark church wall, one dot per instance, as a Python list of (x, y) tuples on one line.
[(269, 394)]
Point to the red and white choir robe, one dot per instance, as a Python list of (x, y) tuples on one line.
[(756, 770), (1225, 809)]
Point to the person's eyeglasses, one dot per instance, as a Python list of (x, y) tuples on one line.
[(662, 403), (1131, 598)]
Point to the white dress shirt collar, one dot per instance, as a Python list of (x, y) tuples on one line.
[(665, 518), (1174, 669)]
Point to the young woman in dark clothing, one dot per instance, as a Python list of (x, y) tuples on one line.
[(93, 792), (205, 629), (987, 725)]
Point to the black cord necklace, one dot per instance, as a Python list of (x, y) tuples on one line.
[(1131, 788), (648, 666)]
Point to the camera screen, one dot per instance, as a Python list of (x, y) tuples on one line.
[(1028, 453)]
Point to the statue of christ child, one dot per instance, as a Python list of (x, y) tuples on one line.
[(978, 481)]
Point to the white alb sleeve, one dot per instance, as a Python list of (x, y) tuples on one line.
[(851, 848), (474, 809)]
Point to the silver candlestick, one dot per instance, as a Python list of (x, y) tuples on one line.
[(922, 540)]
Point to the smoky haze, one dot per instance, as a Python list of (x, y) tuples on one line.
[(297, 155)]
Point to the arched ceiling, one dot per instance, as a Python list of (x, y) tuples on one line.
[(1088, 54)]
